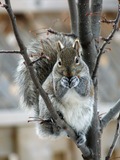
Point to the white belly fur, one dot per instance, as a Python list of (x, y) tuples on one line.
[(77, 110)]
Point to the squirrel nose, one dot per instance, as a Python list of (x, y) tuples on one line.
[(69, 75)]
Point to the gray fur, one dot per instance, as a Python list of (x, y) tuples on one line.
[(68, 87), (83, 86)]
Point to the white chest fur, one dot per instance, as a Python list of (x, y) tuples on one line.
[(77, 110)]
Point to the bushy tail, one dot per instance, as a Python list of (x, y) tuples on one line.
[(29, 98)]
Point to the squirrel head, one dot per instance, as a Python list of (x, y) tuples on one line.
[(68, 60)]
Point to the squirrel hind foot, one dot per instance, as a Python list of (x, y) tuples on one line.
[(81, 139)]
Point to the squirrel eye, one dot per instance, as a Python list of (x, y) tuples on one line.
[(76, 60), (59, 63)]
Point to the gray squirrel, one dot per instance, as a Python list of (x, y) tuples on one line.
[(69, 85)]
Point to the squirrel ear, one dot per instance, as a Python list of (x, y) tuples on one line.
[(60, 45), (76, 45)]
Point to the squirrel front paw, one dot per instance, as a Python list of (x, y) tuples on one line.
[(74, 81), (65, 82)]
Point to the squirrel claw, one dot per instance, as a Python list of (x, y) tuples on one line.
[(81, 139)]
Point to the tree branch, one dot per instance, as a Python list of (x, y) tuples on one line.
[(96, 8), (94, 135), (117, 134), (110, 115), (13, 20), (85, 34), (105, 20), (59, 33), (73, 16), (12, 52), (23, 51), (107, 41), (90, 53)]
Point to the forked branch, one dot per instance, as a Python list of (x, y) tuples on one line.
[(107, 40)]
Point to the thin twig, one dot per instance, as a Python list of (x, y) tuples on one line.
[(59, 33), (40, 58), (107, 41), (110, 115), (105, 20), (12, 52), (117, 134)]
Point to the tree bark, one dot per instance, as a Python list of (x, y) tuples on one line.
[(73, 16), (85, 34), (96, 9)]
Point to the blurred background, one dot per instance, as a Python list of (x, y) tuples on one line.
[(18, 140)]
